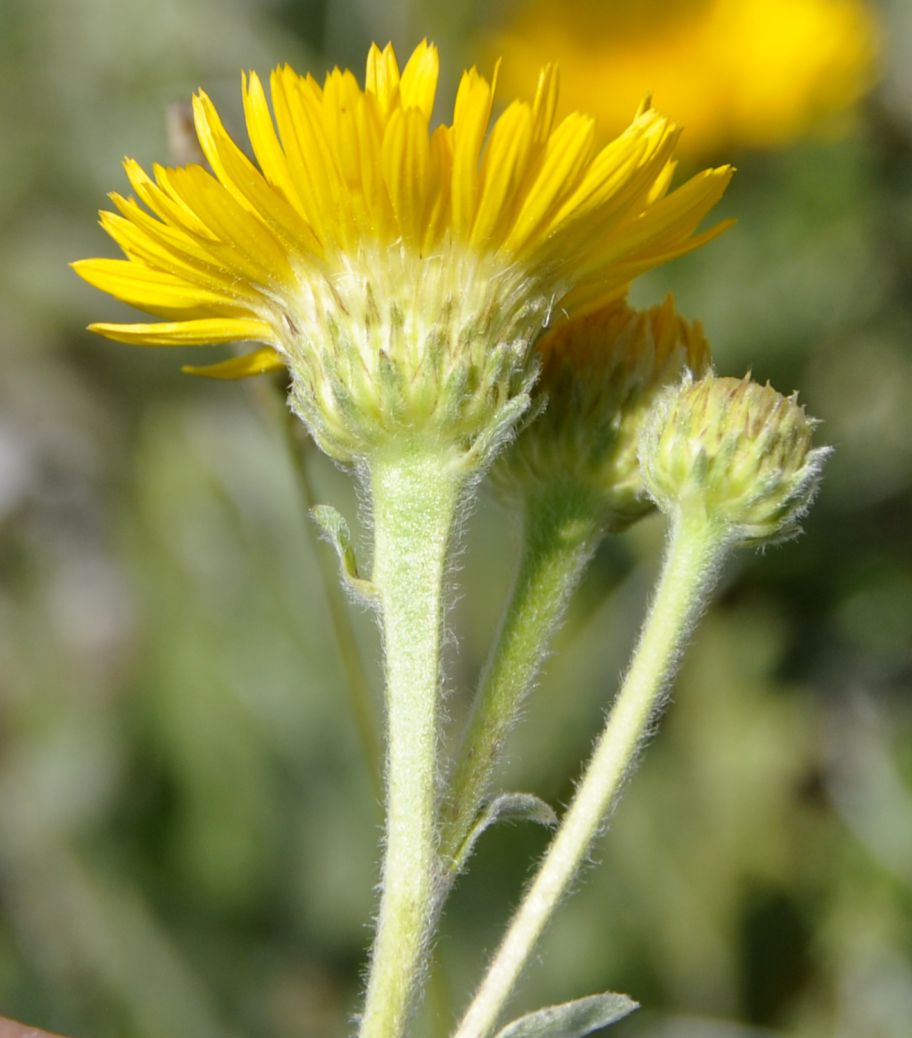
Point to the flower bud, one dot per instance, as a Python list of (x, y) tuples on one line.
[(734, 452), (600, 376)]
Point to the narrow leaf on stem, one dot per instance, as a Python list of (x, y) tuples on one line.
[(507, 807), (571, 1019)]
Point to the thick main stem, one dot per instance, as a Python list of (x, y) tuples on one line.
[(415, 495), (694, 553), (561, 531)]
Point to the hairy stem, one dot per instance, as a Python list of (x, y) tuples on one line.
[(693, 556), (415, 496), (561, 531)]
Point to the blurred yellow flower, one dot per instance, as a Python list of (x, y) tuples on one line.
[(736, 73), (387, 263)]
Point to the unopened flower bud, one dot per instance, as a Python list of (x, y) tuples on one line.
[(601, 374), (734, 452)]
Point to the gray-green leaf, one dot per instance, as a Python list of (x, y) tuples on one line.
[(336, 531), (571, 1019), (506, 807)]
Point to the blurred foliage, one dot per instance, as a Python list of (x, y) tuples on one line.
[(187, 828)]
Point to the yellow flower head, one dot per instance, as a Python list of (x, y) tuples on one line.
[(601, 375), (401, 272), (749, 73)]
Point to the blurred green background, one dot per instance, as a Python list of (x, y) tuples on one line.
[(188, 832)]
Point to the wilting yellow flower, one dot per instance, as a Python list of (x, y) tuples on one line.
[(400, 272), (751, 73), (601, 375)]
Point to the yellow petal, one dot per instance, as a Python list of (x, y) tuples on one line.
[(160, 247), (419, 79), (298, 104), (148, 289), (245, 181), (207, 331), (265, 142), (382, 78), (259, 362), (503, 170), (340, 100), (568, 151), (378, 210), (662, 182), (437, 212), (406, 160), (172, 210), (470, 122), (640, 239), (244, 240), (624, 170), (545, 104), (175, 242), (676, 216)]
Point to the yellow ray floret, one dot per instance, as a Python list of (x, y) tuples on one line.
[(259, 362), (187, 333)]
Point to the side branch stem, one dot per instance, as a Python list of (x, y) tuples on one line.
[(693, 556), (415, 495), (560, 534)]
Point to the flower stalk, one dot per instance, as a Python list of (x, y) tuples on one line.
[(415, 495), (561, 532), (695, 551)]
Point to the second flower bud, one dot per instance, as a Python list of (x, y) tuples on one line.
[(601, 375)]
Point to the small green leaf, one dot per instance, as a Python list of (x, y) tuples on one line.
[(571, 1019), (336, 531), (506, 807)]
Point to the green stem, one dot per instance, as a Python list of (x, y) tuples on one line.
[(692, 561), (415, 496), (561, 532)]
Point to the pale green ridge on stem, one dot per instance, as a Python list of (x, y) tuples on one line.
[(696, 548), (561, 528), (416, 491)]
